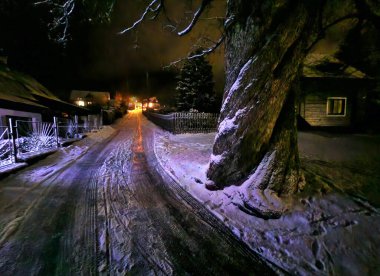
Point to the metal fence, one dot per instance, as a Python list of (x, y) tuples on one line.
[(22, 139), (185, 122), (70, 129), (164, 121), (33, 136)]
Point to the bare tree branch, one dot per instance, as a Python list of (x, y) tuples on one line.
[(41, 2), (157, 6), (151, 8), (227, 24), (196, 16), (61, 23), (202, 53), (348, 16), (322, 31)]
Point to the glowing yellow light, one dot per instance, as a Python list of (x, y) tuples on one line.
[(150, 105), (80, 103)]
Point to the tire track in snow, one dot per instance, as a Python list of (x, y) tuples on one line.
[(80, 248), (119, 249), (122, 207), (13, 224)]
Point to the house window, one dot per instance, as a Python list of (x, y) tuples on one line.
[(336, 106)]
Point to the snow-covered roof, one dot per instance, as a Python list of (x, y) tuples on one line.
[(327, 66), (29, 84), (15, 91), (21, 88)]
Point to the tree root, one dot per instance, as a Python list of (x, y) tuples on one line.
[(263, 204), (212, 186)]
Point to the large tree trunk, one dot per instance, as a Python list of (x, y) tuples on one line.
[(256, 139)]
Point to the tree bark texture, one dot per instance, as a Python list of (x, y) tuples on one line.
[(265, 46)]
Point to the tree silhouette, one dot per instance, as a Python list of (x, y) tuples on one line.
[(195, 85)]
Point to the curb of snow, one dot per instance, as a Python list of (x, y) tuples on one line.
[(4, 171)]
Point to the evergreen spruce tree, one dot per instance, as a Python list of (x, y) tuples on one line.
[(195, 85)]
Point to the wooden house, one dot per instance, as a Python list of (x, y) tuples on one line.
[(23, 98), (97, 102), (90, 98), (333, 94)]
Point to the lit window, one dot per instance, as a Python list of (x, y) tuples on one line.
[(336, 106), (80, 103)]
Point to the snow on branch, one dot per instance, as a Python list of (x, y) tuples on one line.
[(64, 12), (41, 2), (196, 16), (154, 7), (227, 24), (201, 54)]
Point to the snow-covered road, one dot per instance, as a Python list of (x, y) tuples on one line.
[(112, 211)]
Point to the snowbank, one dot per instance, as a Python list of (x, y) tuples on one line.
[(324, 231)]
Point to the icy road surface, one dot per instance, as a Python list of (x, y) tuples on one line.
[(112, 212)]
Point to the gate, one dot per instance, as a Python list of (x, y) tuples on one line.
[(32, 136), (6, 156)]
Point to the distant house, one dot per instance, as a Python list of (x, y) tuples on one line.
[(333, 94), (89, 98), (151, 104), (23, 98)]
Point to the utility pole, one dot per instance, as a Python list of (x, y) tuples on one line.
[(147, 83)]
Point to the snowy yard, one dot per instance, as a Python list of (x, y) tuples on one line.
[(328, 228)]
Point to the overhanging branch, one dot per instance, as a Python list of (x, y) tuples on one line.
[(202, 53), (348, 16), (154, 7), (62, 22), (195, 19), (322, 31)]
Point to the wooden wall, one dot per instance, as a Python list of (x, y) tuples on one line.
[(313, 101), (313, 110)]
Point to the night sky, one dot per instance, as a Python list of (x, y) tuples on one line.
[(96, 58)]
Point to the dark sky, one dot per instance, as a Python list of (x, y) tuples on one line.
[(99, 59), (151, 46)]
